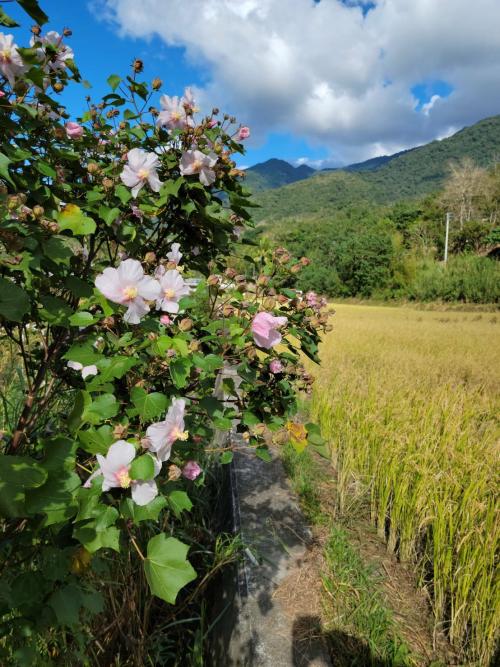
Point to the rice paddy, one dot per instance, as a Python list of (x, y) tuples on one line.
[(408, 400)]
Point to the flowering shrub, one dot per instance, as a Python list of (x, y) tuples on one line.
[(116, 230)]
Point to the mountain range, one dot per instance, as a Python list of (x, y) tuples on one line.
[(283, 190)]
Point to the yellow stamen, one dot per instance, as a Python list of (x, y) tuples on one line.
[(130, 293), (181, 435), (143, 174), (169, 293), (123, 478)]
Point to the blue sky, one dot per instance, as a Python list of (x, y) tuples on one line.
[(326, 82)]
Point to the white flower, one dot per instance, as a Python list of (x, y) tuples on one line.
[(115, 466), (173, 114), (11, 63), (141, 168), (174, 255), (129, 286), (63, 53), (86, 370), (196, 162), (173, 288), (162, 435)]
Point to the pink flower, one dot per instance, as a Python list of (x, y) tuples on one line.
[(141, 168), (172, 287), (275, 366), (243, 133), (162, 435), (264, 329), (73, 130), (115, 468), (312, 299), (173, 115), (188, 100), (129, 286), (2, 94), (165, 320), (86, 370), (212, 123), (196, 162), (191, 470), (11, 63), (174, 255), (57, 60), (115, 465)]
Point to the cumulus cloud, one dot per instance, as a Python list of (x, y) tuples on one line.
[(338, 73)]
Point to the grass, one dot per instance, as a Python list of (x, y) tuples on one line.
[(408, 401), (359, 626)]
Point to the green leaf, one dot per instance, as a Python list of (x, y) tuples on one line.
[(14, 301), (6, 20), (149, 406), (18, 474), (103, 407), (82, 319), (56, 497), (100, 532), (166, 567), (138, 513), (107, 214), (179, 371), (97, 441), (264, 454), (114, 81), (84, 353), (142, 468), (66, 603), (226, 457), (32, 8), (74, 219), (123, 194), (4, 168), (54, 310), (45, 169), (178, 502)]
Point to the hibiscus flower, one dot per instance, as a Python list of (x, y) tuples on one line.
[(129, 286), (140, 169)]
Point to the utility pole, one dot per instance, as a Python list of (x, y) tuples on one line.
[(447, 235)]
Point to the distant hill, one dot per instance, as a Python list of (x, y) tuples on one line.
[(274, 173), (407, 175), (372, 163)]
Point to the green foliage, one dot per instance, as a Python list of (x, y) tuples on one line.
[(412, 174), (114, 379)]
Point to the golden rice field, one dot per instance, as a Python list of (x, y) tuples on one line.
[(409, 401)]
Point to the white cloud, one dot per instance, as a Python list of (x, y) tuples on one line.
[(321, 70)]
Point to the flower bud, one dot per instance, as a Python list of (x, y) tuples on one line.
[(152, 335), (230, 272), (194, 346), (54, 227), (108, 322), (215, 111), (213, 280), (263, 281), (227, 311), (150, 258), (269, 303), (174, 472), (92, 168), (305, 261), (156, 83), (120, 431), (67, 32), (137, 65), (281, 298), (58, 86), (172, 265), (38, 211), (186, 324), (36, 30), (296, 268), (107, 183)]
